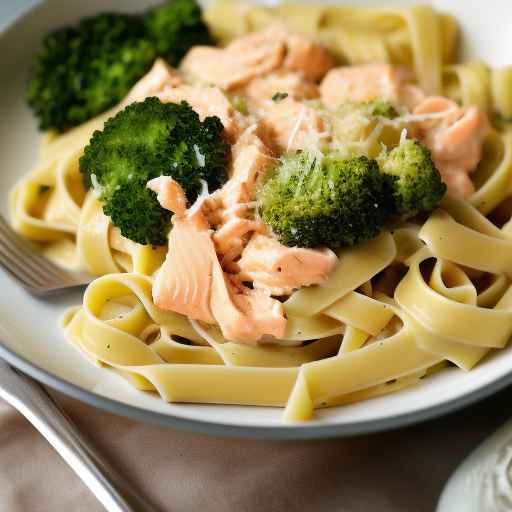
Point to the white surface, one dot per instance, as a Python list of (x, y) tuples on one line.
[(28, 326), (483, 482)]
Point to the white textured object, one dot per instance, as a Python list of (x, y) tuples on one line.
[(31, 340), (483, 482)]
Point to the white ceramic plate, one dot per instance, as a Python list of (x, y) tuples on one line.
[(29, 335)]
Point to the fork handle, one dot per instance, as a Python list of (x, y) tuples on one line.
[(33, 401)]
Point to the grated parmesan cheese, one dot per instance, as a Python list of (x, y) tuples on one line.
[(403, 136), (296, 127), (201, 160), (201, 198), (96, 187), (418, 118)]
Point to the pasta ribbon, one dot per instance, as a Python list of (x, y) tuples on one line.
[(425, 34), (362, 312), (494, 175), (353, 339), (459, 321), (356, 266), (450, 240), (468, 84), (374, 364), (501, 88)]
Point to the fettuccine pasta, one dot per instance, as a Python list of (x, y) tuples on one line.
[(426, 292)]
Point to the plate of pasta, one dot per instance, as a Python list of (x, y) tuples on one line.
[(296, 217)]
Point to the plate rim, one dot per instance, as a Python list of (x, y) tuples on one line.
[(297, 431)]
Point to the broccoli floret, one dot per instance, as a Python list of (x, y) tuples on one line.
[(175, 27), (84, 70), (314, 200), (415, 183), (134, 210), (378, 107), (144, 141)]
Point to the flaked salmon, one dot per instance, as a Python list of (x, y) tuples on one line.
[(231, 237), (278, 270), (230, 205), (410, 96), (191, 280), (255, 55), (307, 57), (245, 315), (290, 125), (170, 195), (455, 141), (250, 159), (260, 91), (237, 64), (207, 101), (183, 282), (160, 76), (359, 83), (266, 313)]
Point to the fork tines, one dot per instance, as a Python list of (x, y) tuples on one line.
[(27, 264)]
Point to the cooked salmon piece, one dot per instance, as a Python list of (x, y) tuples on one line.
[(278, 270), (206, 101), (455, 141), (250, 159), (183, 283), (458, 183), (359, 83), (436, 105), (266, 313), (170, 195), (290, 125), (256, 55), (243, 314), (234, 66), (308, 58), (230, 238), (234, 324), (161, 75), (260, 91), (229, 206), (410, 95), (191, 280)]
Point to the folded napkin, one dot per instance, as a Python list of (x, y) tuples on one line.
[(403, 470)]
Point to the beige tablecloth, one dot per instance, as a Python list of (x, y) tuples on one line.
[(402, 470)]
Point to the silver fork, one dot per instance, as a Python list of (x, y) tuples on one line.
[(41, 277), (32, 400), (31, 269)]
